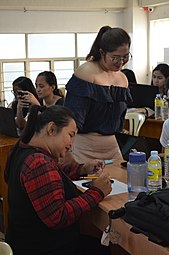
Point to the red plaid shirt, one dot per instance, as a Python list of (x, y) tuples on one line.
[(44, 186)]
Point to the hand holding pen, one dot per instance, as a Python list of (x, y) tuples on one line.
[(103, 183)]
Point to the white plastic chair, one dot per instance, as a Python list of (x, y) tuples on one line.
[(136, 120), (5, 249)]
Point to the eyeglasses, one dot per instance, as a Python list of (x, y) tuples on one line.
[(15, 93), (117, 59)]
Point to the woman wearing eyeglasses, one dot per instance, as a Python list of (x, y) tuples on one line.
[(23, 87), (98, 95)]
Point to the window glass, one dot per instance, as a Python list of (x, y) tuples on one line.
[(11, 71), (12, 46), (84, 43), (82, 62), (158, 51), (51, 45), (63, 71), (36, 68)]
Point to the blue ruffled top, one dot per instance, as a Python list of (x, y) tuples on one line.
[(97, 108)]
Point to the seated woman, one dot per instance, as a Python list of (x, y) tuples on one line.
[(47, 89), (159, 77), (25, 95), (44, 205)]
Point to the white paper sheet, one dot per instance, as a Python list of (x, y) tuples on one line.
[(117, 187)]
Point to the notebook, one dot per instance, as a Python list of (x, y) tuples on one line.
[(140, 143), (7, 122), (143, 95)]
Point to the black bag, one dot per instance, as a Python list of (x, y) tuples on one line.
[(149, 214)]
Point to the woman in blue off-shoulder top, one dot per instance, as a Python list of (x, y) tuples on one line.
[(98, 95)]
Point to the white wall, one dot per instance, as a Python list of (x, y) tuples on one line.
[(160, 12), (48, 21)]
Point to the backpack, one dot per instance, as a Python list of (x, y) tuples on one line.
[(148, 214)]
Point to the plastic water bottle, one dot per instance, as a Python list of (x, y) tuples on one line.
[(164, 108), (166, 163), (154, 172), (157, 106), (137, 174)]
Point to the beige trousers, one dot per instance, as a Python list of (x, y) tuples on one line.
[(95, 146)]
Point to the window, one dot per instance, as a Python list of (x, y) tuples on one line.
[(84, 43), (11, 71), (38, 67), (63, 71), (158, 51), (12, 46), (30, 54), (51, 45)]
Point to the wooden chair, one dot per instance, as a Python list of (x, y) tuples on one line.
[(136, 120), (5, 249)]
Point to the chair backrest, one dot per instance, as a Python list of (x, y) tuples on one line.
[(5, 249), (136, 120)]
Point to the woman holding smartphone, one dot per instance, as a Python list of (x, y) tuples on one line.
[(25, 95)]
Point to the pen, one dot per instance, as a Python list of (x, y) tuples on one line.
[(89, 177)]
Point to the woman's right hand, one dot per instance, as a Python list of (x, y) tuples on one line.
[(27, 98), (103, 183)]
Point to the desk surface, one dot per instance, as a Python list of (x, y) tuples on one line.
[(136, 244), (7, 140)]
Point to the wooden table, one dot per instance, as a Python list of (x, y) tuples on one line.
[(151, 128), (6, 144), (135, 244)]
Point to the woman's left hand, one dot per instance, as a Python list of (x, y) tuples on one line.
[(95, 166)]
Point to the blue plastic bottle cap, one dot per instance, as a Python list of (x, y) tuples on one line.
[(137, 157)]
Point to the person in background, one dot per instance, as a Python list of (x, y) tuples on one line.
[(98, 94), (130, 75), (44, 204), (47, 89), (165, 133), (166, 88), (159, 76), (46, 93), (25, 95)]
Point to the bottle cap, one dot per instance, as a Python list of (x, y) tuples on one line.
[(137, 157), (154, 153)]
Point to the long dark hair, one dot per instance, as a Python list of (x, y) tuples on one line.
[(51, 79), (40, 116), (163, 68), (25, 84), (108, 39)]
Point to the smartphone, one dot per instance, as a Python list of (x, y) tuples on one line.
[(21, 93), (88, 184)]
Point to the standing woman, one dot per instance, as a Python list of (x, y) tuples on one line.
[(98, 95), (47, 89)]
